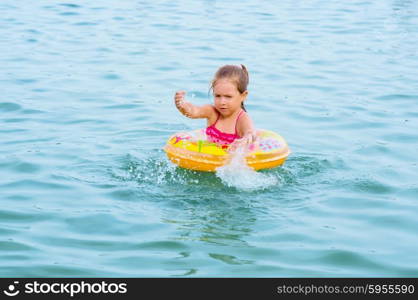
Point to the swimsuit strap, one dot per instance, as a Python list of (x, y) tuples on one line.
[(236, 121), (216, 118)]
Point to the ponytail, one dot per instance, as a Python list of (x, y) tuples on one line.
[(245, 71)]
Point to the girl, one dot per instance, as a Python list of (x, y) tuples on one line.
[(227, 120)]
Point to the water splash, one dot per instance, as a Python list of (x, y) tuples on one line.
[(155, 171), (236, 173), (158, 172)]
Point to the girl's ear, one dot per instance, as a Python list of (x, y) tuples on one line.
[(244, 95)]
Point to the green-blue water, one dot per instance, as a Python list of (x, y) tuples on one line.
[(86, 106)]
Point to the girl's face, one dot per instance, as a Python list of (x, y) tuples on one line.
[(227, 97)]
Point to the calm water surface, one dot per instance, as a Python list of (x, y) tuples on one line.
[(86, 107)]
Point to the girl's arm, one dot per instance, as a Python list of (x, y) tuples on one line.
[(246, 129), (190, 110)]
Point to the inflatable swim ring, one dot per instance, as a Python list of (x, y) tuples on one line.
[(191, 150)]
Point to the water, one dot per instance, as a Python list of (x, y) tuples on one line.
[(86, 106), (236, 173)]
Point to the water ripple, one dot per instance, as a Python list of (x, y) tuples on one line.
[(9, 106)]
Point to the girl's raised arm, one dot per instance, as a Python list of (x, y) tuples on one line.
[(190, 110)]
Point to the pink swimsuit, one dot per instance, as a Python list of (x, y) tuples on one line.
[(214, 135)]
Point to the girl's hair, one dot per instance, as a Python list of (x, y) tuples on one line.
[(237, 74)]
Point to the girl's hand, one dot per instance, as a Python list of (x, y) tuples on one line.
[(250, 138), (182, 105), (245, 141), (179, 99)]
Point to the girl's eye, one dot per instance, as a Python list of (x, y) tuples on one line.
[(225, 96)]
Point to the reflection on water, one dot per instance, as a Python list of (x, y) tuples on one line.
[(212, 220), (200, 205), (204, 209)]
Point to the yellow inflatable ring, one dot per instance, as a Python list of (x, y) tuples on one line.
[(191, 150)]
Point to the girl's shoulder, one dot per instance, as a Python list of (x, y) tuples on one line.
[(212, 113), (244, 122), (243, 117)]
